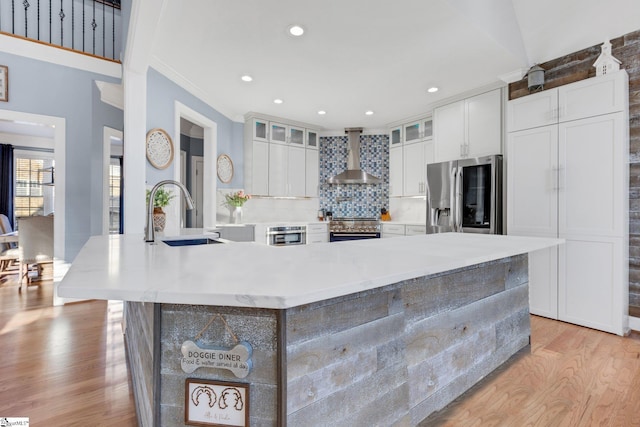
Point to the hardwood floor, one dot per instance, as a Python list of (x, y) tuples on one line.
[(62, 366), (571, 376), (66, 366)]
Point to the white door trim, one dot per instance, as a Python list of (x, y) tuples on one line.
[(210, 146), (107, 134), (194, 189)]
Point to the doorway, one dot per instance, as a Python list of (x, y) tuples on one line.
[(207, 131), (25, 129), (192, 173)]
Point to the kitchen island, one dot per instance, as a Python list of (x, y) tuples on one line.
[(366, 332)]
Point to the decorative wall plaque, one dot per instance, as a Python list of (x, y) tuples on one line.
[(236, 359), (225, 168), (159, 148), (215, 403)]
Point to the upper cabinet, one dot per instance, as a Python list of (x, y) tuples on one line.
[(566, 103), (296, 135), (260, 130), (410, 149), (471, 127), (281, 159), (416, 131), (395, 137), (285, 134), (313, 140)]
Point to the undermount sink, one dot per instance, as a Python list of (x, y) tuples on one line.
[(191, 242)]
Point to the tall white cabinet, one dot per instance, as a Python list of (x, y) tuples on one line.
[(410, 149), (471, 127), (280, 159), (567, 177)]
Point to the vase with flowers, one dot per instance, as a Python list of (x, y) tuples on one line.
[(160, 200), (234, 202)]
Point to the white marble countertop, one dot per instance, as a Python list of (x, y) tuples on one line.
[(256, 275)]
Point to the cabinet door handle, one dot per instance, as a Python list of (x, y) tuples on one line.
[(561, 178)]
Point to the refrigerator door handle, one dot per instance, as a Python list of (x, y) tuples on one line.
[(458, 200)]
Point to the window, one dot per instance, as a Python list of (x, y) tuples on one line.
[(34, 192), (115, 174)]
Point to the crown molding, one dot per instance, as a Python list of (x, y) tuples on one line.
[(111, 93)]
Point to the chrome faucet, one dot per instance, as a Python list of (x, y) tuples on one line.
[(149, 232)]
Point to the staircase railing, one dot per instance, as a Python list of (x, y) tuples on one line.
[(93, 27)]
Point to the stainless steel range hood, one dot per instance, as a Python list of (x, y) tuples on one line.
[(353, 174)]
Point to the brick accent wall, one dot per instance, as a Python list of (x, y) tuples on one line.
[(579, 66)]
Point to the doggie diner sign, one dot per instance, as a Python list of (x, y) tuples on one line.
[(236, 359)]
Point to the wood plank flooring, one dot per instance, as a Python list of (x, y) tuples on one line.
[(62, 366), (66, 366), (570, 376)]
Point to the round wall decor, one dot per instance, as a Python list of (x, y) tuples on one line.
[(159, 148), (225, 168)]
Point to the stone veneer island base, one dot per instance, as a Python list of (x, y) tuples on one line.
[(388, 356)]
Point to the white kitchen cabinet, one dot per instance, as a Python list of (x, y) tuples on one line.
[(260, 130), (317, 233), (285, 134), (275, 159), (411, 148), (415, 159), (395, 172), (533, 111), (395, 137), (566, 103), (532, 182), (570, 180), (449, 131), (312, 172), (414, 168), (469, 128), (543, 282), (286, 170), (415, 230), (277, 132), (237, 233), (392, 230), (313, 139), (296, 136), (417, 131), (259, 169), (411, 132)]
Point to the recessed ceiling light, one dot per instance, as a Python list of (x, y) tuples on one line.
[(296, 30), (432, 89), (246, 78), (278, 101), (322, 112), (369, 113)]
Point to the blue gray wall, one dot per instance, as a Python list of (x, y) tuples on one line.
[(39, 87), (161, 95)]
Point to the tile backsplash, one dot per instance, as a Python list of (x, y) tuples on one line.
[(354, 200)]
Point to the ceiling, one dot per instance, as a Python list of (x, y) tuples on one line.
[(359, 55)]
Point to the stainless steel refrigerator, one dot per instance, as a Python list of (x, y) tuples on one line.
[(465, 196)]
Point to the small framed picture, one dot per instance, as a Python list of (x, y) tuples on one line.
[(4, 83), (215, 403)]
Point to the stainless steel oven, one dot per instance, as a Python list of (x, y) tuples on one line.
[(341, 229), (287, 235)]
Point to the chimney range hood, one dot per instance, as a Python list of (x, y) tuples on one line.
[(353, 174)]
